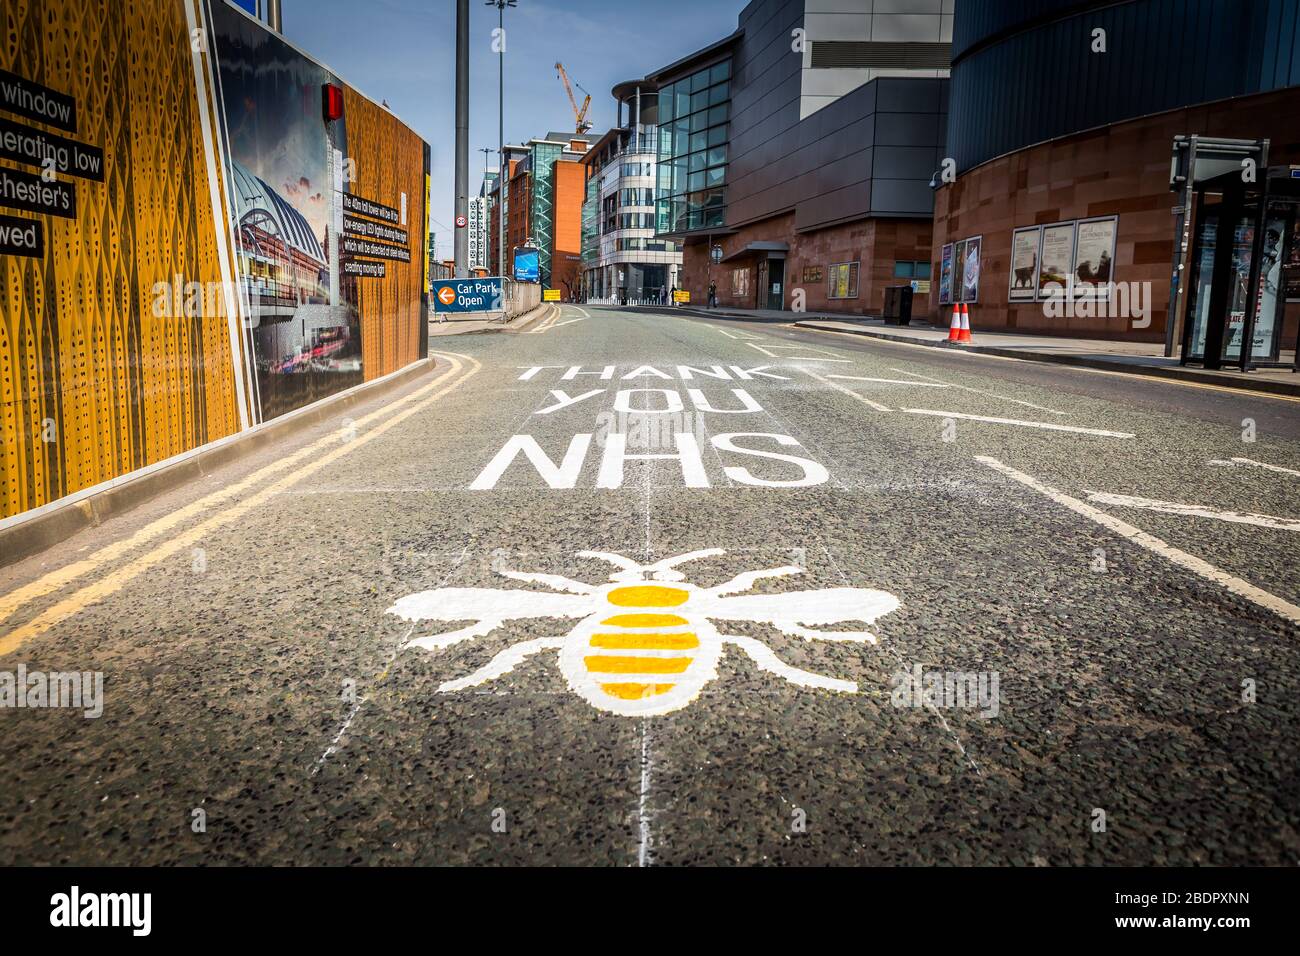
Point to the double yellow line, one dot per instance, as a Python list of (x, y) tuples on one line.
[(301, 464)]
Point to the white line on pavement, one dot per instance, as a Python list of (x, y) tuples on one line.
[(1258, 464), (799, 358), (1047, 426), (643, 805), (980, 391), (568, 322), (847, 391), (890, 381), (1194, 511), (1236, 585)]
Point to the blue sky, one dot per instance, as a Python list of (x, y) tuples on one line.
[(403, 51)]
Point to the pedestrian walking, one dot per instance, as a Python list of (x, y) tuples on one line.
[(713, 295)]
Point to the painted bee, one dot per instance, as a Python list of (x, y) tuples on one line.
[(645, 643)]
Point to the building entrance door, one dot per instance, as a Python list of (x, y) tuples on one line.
[(775, 283)]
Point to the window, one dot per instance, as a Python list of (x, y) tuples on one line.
[(695, 111), (911, 270), (842, 281), (740, 283)]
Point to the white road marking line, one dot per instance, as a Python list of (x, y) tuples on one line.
[(558, 325), (1194, 511), (1047, 426), (361, 702), (643, 857), (585, 313), (847, 391), (743, 338), (1236, 585), (890, 381), (799, 358), (980, 391), (889, 645), (1258, 464), (352, 715)]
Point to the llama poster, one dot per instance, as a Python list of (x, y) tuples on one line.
[(1024, 264)]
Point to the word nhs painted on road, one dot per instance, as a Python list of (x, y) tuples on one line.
[(626, 429)]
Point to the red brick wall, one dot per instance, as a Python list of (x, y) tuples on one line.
[(874, 243), (1117, 170)]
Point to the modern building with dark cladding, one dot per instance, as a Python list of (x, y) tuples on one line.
[(1065, 113), (1024, 70), (803, 145)]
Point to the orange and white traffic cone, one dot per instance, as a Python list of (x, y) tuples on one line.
[(964, 336), (954, 330)]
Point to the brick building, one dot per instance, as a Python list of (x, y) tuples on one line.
[(545, 187), (1063, 193)]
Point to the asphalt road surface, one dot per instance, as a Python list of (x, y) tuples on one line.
[(1017, 614)]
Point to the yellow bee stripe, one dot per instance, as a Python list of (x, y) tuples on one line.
[(636, 691), (645, 620), (654, 642), (648, 595), (602, 664)]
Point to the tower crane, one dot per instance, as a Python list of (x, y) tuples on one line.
[(579, 112)]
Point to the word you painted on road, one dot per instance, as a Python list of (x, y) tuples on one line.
[(637, 397), (645, 643)]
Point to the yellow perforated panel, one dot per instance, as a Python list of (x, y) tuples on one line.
[(389, 161), (93, 384)]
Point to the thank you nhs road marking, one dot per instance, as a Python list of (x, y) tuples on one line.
[(660, 412)]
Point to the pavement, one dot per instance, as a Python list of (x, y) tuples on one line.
[(473, 322), (1140, 358), (903, 606)]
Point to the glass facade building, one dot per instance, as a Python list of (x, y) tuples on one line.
[(694, 117)]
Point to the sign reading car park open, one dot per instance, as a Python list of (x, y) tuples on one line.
[(468, 295)]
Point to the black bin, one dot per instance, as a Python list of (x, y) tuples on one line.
[(898, 305)]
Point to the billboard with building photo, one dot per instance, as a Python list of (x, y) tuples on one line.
[(328, 208)]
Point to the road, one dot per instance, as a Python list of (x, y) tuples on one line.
[(1016, 614)]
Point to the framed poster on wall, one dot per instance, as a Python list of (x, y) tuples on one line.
[(945, 275), (970, 269), (1024, 264), (1292, 267), (1055, 260), (1094, 257)]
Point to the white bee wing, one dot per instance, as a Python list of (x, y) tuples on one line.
[(488, 604), (790, 610), (487, 607)]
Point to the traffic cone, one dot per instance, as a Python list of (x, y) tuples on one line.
[(954, 330), (964, 337)]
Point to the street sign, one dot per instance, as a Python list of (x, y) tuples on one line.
[(468, 295), (682, 295), (527, 265), (461, 222), (550, 295)]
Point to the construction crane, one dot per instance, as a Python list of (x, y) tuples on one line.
[(579, 112)]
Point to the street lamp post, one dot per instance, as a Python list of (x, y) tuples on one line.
[(502, 172)]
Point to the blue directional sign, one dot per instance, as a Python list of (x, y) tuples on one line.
[(468, 295), (527, 265)]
